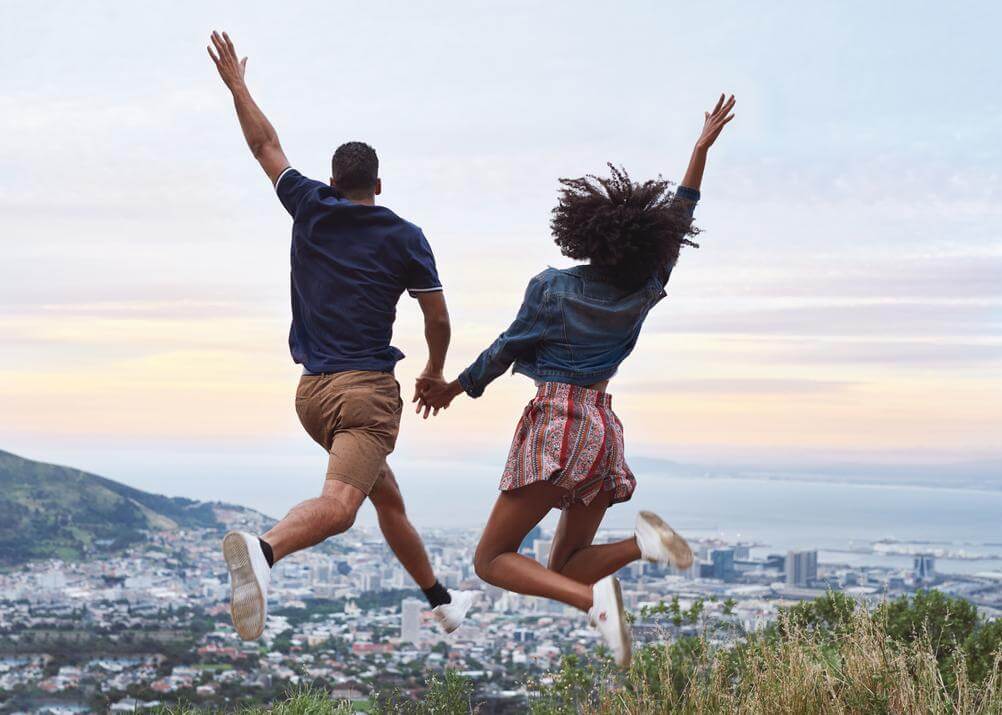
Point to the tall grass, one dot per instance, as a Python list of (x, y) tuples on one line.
[(794, 667), (930, 654)]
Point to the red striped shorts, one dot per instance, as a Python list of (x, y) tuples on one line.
[(569, 436)]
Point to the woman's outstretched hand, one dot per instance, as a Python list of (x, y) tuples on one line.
[(713, 122)]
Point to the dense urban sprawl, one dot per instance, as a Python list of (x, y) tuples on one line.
[(151, 625)]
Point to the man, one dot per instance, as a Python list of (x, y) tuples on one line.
[(351, 261)]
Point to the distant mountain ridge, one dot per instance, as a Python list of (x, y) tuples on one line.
[(50, 511), (969, 474)]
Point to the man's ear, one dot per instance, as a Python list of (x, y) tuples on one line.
[(378, 188)]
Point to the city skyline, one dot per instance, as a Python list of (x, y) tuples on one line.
[(844, 305)]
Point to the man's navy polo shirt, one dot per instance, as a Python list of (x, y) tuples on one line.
[(350, 264)]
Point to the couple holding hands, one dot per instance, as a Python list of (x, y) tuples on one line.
[(352, 260)]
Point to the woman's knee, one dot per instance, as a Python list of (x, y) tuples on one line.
[(482, 560), (558, 560)]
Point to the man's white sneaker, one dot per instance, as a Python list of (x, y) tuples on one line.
[(608, 616), (660, 543), (249, 578), (451, 615)]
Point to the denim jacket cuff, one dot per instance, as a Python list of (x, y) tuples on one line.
[(467, 384), (684, 192)]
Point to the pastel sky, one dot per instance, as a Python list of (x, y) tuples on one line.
[(846, 303)]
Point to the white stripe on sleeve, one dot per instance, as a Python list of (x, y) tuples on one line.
[(285, 171)]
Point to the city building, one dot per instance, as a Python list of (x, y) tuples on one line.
[(535, 532), (541, 547), (925, 568), (410, 620), (722, 561), (801, 567)]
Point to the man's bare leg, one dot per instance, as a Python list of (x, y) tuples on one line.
[(314, 520), (398, 531), (448, 607)]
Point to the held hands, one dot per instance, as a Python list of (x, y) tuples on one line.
[(432, 393), (230, 68), (714, 122)]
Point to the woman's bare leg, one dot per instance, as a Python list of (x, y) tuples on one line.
[(498, 562), (572, 553)]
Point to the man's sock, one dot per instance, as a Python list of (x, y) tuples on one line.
[(266, 550), (437, 595)]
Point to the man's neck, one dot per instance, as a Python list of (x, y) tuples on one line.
[(363, 199)]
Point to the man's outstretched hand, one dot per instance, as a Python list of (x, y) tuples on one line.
[(713, 122), (231, 69), (433, 393)]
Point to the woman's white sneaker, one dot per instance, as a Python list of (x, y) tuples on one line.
[(660, 543), (451, 615), (249, 578), (608, 616)]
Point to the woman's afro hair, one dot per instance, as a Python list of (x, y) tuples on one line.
[(624, 228)]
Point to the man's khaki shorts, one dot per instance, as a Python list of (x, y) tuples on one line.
[(355, 416)]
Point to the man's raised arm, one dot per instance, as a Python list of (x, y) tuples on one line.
[(260, 135)]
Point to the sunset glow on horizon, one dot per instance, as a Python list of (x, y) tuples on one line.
[(846, 300)]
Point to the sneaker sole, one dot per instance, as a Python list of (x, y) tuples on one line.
[(246, 600), (624, 631), (679, 552), (447, 627)]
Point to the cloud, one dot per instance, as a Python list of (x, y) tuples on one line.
[(900, 353), (851, 319), (734, 387)]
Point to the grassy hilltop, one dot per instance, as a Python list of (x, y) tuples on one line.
[(48, 511)]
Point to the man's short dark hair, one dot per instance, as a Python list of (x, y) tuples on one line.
[(355, 168), (624, 228)]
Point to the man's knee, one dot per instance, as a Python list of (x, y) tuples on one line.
[(338, 517)]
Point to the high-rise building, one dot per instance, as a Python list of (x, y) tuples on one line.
[(371, 582), (541, 547), (925, 568), (776, 561), (524, 635), (723, 563), (801, 567), (535, 532), (450, 578), (410, 619)]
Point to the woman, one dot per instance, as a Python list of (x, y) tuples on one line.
[(573, 330)]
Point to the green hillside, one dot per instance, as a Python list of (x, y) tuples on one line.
[(48, 511)]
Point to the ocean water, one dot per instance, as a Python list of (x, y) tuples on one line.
[(449, 492), (837, 519), (841, 520)]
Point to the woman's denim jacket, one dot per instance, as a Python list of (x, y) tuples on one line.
[(572, 327)]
